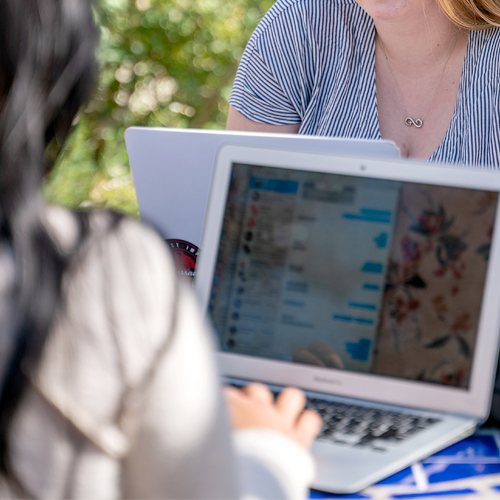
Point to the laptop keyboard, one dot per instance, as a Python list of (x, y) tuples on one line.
[(364, 427), (361, 426)]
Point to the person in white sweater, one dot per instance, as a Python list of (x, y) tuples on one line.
[(109, 387)]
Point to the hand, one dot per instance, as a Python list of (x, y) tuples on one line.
[(319, 354), (254, 406)]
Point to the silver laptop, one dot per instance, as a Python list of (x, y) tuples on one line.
[(371, 284), (172, 171)]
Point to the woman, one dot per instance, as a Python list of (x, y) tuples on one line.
[(423, 73), (109, 387)]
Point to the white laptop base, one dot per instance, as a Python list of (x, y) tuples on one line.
[(345, 466), (302, 250)]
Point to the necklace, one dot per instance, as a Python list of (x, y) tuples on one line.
[(409, 121)]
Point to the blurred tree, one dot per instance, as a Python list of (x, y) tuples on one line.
[(163, 63)]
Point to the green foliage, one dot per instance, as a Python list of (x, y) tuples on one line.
[(163, 63)]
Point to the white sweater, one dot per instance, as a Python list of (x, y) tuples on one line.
[(128, 401)]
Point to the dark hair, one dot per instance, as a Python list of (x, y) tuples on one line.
[(47, 61)]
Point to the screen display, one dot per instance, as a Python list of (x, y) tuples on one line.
[(352, 273)]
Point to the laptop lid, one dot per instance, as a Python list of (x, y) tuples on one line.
[(172, 169), (393, 265)]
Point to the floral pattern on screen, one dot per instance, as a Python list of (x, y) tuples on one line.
[(434, 284)]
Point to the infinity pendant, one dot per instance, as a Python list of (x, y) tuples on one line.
[(410, 121)]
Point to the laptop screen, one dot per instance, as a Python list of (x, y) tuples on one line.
[(352, 273)]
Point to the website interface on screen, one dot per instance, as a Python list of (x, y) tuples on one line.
[(352, 273)]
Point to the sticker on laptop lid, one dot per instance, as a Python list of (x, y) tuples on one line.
[(185, 255)]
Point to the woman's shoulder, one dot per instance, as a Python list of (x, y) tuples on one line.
[(120, 272), (486, 36), (120, 298), (281, 6), (482, 71), (319, 14), (80, 233), (117, 318), (484, 50)]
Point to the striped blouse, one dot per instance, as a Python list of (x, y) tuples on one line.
[(313, 62)]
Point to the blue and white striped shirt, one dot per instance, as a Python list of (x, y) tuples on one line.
[(313, 62)]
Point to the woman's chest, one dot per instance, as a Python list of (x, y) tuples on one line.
[(347, 98), (416, 104)]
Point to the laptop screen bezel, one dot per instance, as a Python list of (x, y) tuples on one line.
[(474, 401)]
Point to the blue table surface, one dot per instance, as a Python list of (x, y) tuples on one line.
[(459, 466)]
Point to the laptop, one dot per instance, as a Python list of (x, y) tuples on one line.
[(172, 171), (371, 284)]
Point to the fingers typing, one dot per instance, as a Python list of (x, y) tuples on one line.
[(254, 406), (259, 392)]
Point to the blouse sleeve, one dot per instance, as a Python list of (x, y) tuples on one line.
[(184, 447), (273, 81), (270, 465), (131, 367), (180, 439)]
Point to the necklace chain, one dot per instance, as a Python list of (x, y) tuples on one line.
[(418, 122)]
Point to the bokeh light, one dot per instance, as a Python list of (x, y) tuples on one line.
[(163, 63)]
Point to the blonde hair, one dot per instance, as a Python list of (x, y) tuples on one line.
[(472, 14)]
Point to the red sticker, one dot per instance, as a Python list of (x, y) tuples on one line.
[(185, 255)]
